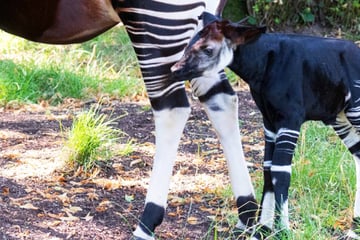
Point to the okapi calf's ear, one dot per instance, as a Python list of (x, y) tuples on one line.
[(240, 34)]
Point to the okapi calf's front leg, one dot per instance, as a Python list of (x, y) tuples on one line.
[(279, 150), (221, 105)]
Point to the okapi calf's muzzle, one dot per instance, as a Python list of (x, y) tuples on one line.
[(185, 70)]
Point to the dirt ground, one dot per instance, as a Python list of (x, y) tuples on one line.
[(40, 200)]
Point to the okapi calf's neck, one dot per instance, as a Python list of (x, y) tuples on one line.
[(292, 78)]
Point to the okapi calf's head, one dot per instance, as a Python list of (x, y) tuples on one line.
[(213, 49)]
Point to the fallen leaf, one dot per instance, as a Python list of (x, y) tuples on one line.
[(54, 223), (172, 214), (192, 220), (103, 206), (222, 229), (88, 218), (72, 209), (134, 162), (129, 198), (108, 184), (29, 206), (64, 199), (209, 210), (56, 216), (5, 191), (69, 218), (61, 179), (92, 196)]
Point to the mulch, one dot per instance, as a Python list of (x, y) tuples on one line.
[(39, 199)]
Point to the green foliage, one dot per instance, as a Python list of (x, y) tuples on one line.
[(235, 10), (90, 139), (343, 14)]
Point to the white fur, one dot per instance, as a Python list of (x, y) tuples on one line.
[(169, 125), (225, 123), (139, 233), (226, 57), (357, 195), (268, 210)]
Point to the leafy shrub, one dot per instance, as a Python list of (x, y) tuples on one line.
[(343, 14)]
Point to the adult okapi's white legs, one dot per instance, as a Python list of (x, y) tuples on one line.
[(221, 106), (169, 125)]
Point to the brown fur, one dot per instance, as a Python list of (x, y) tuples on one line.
[(57, 21)]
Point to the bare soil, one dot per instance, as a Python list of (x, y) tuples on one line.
[(41, 200)]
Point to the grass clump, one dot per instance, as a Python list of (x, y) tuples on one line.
[(90, 140)]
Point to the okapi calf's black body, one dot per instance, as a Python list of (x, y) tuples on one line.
[(292, 79)]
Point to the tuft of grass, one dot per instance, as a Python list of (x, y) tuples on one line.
[(90, 139)]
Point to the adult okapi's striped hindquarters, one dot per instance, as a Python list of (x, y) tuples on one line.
[(57, 21)]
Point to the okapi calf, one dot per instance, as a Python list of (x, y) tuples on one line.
[(292, 79)]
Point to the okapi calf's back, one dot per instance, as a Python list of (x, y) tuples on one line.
[(292, 78)]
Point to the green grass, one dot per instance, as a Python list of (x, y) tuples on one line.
[(90, 139), (322, 186), (31, 72)]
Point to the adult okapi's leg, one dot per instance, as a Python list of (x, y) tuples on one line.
[(169, 124), (159, 32), (349, 133), (221, 105)]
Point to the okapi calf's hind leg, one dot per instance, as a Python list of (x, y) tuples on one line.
[(221, 105), (350, 136)]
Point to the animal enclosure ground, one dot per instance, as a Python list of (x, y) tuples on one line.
[(38, 200)]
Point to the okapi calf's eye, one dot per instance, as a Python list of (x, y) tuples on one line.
[(208, 51), (292, 78)]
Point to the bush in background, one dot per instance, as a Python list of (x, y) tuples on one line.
[(344, 14)]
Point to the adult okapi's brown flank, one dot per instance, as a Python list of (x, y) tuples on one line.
[(57, 21)]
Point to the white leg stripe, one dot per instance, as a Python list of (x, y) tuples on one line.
[(287, 132), (277, 168), (270, 134), (139, 233), (267, 164)]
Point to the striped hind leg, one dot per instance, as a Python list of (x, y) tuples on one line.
[(347, 128), (267, 210), (221, 105)]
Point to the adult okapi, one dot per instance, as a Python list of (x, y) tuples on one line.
[(159, 31)]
